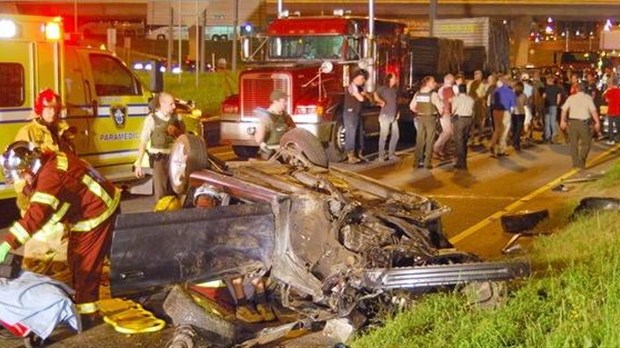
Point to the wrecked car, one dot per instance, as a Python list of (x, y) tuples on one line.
[(327, 238)]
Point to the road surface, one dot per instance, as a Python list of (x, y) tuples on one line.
[(477, 197)]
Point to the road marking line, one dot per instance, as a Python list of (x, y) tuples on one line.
[(514, 205)]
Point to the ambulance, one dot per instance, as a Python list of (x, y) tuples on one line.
[(104, 101)]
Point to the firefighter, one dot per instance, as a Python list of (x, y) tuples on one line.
[(47, 131), (65, 189)]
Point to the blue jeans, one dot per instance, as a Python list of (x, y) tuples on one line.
[(386, 126), (353, 133), (550, 123)]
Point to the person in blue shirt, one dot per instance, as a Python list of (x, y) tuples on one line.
[(504, 101)]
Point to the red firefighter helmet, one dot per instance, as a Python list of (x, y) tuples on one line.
[(46, 98)]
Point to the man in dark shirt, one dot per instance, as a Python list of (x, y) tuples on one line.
[(552, 97)]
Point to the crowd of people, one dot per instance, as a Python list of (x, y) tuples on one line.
[(459, 113)]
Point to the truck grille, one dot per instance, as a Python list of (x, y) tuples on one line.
[(256, 88)]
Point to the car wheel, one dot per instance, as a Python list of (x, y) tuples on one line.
[(245, 152), (188, 154), (335, 148), (161, 37), (523, 220), (305, 144)]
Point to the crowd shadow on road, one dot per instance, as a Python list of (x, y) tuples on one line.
[(463, 178), (423, 181)]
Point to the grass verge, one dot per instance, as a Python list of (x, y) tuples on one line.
[(572, 300), (208, 93), (612, 176)]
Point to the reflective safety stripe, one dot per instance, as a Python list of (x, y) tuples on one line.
[(87, 308), (62, 163), (55, 219), (20, 233), (45, 198), (97, 189), (87, 225)]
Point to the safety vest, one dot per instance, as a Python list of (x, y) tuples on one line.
[(278, 127), (424, 104), (160, 139)]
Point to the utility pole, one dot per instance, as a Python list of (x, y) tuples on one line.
[(202, 46), (432, 15), (75, 16), (170, 43), (235, 36)]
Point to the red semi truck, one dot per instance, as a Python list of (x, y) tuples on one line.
[(311, 59)]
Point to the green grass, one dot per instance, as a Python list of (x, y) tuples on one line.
[(571, 300), (612, 176), (211, 90)]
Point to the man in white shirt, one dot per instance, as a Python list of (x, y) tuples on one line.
[(577, 113)]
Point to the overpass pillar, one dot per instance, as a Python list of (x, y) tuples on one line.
[(520, 41)]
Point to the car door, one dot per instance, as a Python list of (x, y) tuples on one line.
[(118, 104)]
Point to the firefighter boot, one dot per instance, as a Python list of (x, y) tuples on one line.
[(246, 312)]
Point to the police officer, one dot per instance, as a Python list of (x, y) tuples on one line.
[(577, 114), (426, 106), (160, 128)]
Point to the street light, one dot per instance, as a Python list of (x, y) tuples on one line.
[(75, 15)]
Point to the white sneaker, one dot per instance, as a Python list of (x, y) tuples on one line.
[(610, 142)]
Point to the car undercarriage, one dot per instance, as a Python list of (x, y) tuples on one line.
[(326, 239)]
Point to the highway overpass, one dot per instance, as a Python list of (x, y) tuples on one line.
[(136, 10)]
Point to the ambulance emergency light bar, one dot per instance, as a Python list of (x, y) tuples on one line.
[(9, 29)]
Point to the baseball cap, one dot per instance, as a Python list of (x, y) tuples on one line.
[(277, 95)]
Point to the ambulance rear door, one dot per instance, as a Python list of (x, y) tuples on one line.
[(30, 61)]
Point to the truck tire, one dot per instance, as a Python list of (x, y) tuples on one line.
[(335, 147), (522, 221), (306, 144), (188, 154), (245, 152)]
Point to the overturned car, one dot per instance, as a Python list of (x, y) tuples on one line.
[(328, 239)]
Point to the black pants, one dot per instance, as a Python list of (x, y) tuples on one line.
[(517, 128), (461, 127)]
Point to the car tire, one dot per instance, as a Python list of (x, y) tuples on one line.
[(188, 154), (593, 204), (306, 144), (245, 152), (335, 147), (161, 37), (524, 220)]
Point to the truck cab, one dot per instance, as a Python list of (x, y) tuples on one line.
[(310, 59)]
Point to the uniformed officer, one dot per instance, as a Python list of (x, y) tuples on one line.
[(426, 107)]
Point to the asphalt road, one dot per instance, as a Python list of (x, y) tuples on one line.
[(478, 197)]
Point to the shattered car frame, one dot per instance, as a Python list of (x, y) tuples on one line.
[(328, 238)]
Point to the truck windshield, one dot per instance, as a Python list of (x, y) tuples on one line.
[(306, 47)]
